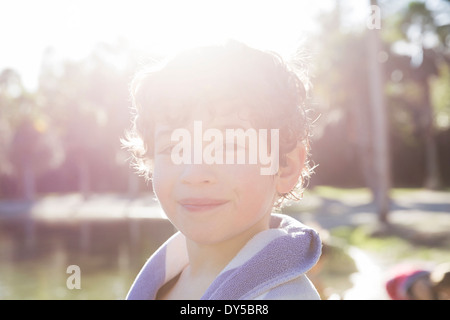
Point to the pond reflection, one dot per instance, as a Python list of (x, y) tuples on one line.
[(34, 257)]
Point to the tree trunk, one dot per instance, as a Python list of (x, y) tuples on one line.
[(133, 185), (380, 128), (432, 172), (28, 181), (84, 178), (360, 113)]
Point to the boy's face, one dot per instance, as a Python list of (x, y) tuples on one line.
[(210, 203)]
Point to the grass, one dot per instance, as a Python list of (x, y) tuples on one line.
[(338, 193), (390, 247)]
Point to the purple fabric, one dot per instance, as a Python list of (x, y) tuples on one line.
[(275, 268), (150, 278), (282, 260)]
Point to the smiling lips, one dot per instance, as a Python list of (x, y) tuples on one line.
[(201, 204)]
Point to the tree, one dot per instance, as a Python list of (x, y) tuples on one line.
[(427, 39), (349, 78), (88, 100), (28, 146)]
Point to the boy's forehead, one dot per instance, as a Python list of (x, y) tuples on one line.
[(213, 112), (221, 121)]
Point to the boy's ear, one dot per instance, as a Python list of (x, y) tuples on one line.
[(289, 174)]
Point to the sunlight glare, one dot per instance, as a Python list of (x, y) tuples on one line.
[(72, 29), (170, 26)]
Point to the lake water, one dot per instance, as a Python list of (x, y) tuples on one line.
[(34, 259)]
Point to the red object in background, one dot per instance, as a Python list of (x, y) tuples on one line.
[(399, 284)]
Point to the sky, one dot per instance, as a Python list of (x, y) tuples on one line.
[(72, 28)]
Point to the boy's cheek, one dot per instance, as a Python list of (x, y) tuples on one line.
[(163, 176), (243, 172)]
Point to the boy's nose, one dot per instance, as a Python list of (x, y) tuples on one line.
[(197, 174)]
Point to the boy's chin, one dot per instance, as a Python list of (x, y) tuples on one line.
[(207, 235), (204, 237)]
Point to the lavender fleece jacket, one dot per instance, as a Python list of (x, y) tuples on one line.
[(272, 265)]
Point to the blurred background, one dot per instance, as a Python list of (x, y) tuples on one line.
[(380, 80)]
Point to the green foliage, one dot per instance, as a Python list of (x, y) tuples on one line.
[(416, 94), (71, 125)]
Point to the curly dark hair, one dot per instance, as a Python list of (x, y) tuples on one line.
[(261, 83)]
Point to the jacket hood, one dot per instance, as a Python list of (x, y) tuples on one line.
[(271, 258)]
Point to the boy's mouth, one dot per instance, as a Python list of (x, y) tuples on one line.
[(201, 204)]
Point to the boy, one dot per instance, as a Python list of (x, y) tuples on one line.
[(223, 133)]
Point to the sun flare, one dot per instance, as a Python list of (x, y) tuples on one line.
[(162, 27)]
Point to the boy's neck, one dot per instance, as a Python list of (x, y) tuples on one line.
[(211, 259)]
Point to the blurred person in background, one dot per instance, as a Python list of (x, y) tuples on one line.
[(410, 283)]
